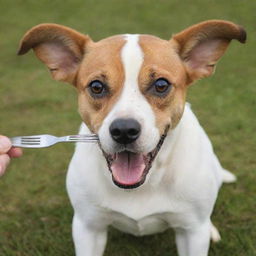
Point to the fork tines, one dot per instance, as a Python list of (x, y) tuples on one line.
[(30, 140)]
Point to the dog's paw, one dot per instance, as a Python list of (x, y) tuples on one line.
[(228, 177), (215, 235)]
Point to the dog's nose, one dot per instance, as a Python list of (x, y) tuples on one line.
[(125, 131)]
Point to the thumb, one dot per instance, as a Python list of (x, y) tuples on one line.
[(5, 144)]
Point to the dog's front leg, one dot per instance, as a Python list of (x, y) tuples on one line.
[(88, 240), (193, 242)]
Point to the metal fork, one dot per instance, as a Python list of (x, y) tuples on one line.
[(46, 140)]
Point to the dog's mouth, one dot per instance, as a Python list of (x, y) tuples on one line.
[(129, 169)]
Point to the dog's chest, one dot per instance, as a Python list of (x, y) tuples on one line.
[(144, 226), (141, 215)]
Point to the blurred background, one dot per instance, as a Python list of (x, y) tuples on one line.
[(35, 214)]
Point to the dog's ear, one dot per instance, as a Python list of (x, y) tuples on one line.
[(59, 47), (202, 45)]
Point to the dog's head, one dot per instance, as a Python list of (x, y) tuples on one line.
[(131, 88)]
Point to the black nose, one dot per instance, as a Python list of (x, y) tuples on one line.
[(125, 131)]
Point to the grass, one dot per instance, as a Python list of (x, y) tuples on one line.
[(35, 214)]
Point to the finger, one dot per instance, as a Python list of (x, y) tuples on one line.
[(15, 152), (5, 144), (4, 161)]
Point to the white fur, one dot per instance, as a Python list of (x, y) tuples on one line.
[(180, 193), (132, 104), (180, 189)]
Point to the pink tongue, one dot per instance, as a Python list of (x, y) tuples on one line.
[(127, 168)]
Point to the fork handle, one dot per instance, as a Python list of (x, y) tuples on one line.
[(76, 138), (63, 139)]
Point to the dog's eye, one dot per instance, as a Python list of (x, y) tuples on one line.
[(97, 89), (161, 87)]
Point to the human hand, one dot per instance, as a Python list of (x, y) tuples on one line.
[(6, 153)]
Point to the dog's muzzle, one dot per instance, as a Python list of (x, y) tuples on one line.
[(129, 168)]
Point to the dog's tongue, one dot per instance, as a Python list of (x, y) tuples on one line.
[(128, 167)]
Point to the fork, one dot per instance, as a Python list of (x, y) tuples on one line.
[(46, 140)]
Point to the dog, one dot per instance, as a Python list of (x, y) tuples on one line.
[(154, 167)]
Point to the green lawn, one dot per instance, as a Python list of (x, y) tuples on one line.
[(35, 214)]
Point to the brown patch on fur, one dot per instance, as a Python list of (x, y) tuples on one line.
[(102, 62), (59, 47), (162, 61), (202, 45), (188, 56), (73, 57)]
